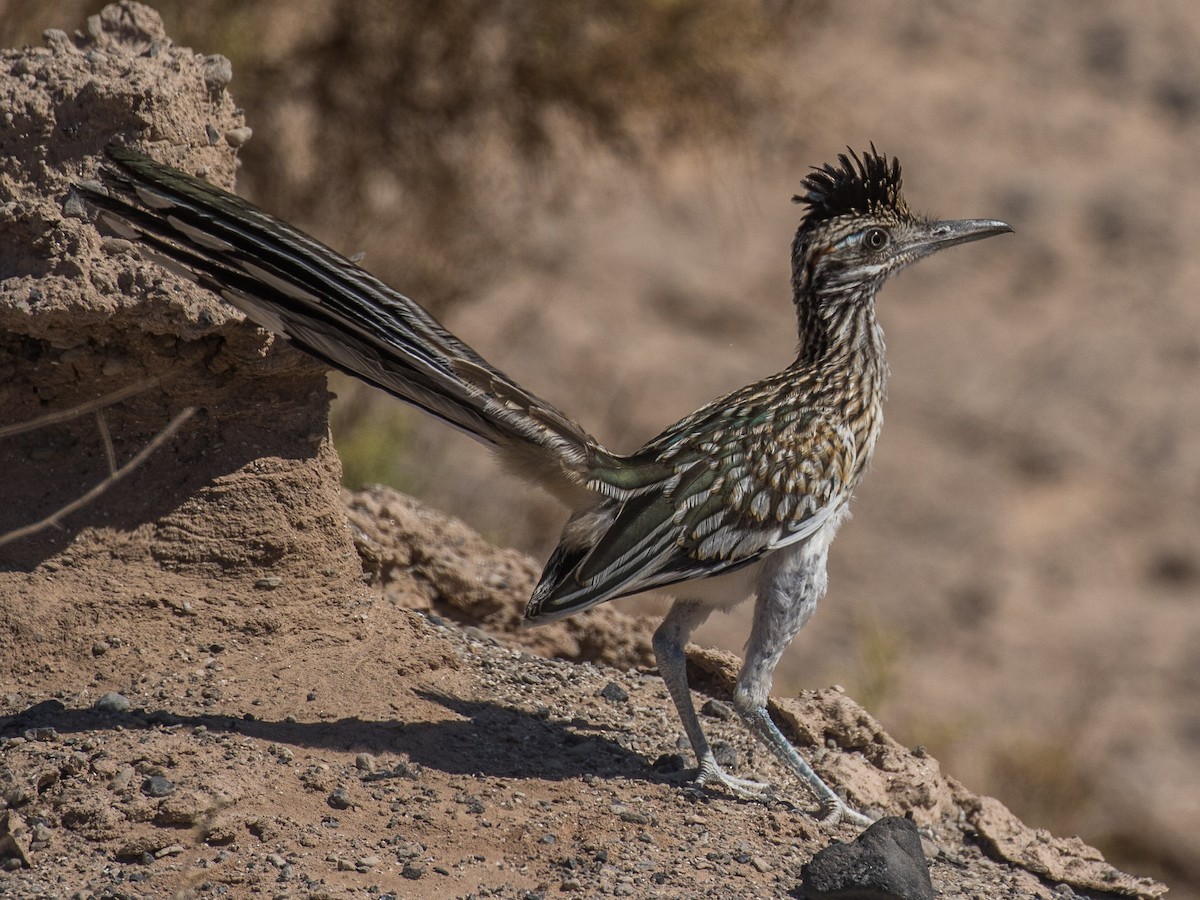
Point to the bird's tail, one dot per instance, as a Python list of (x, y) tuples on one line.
[(295, 286)]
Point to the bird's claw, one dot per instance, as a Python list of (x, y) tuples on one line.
[(712, 775), (833, 813)]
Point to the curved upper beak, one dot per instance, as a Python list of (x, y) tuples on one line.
[(948, 232)]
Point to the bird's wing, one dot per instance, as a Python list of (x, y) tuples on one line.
[(713, 498)]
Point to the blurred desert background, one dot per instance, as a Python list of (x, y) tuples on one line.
[(599, 202)]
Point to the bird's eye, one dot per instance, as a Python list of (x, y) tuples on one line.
[(875, 238)]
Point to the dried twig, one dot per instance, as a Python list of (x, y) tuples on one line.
[(109, 454), (116, 475), (75, 412)]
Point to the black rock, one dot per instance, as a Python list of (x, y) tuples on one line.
[(157, 786), (669, 763), (614, 693), (885, 862)]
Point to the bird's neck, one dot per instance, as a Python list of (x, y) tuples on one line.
[(842, 356), (838, 330)]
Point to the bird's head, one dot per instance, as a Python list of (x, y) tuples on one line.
[(858, 230)]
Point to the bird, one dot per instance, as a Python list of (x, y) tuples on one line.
[(753, 485)]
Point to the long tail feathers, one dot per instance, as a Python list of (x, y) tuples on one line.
[(295, 286)]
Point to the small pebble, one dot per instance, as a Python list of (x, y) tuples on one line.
[(115, 246), (121, 780), (218, 72), (717, 709), (73, 207), (158, 786), (365, 762), (112, 702), (236, 137), (57, 39), (339, 799), (614, 693), (409, 851)]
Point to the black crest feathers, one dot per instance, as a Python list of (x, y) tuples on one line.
[(869, 184)]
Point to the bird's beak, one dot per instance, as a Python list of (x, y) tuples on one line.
[(947, 233)]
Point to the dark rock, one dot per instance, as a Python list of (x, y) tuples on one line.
[(157, 786), (885, 862), (614, 693), (669, 763), (717, 709), (339, 799)]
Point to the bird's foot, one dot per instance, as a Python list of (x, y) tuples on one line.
[(839, 811), (743, 788), (832, 811)]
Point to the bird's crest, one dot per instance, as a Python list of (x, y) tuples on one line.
[(860, 185)]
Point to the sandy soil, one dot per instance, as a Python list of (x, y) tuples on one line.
[(192, 704)]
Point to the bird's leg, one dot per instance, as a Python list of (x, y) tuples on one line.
[(669, 641), (788, 595)]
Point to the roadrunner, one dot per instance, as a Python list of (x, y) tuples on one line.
[(761, 477)]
